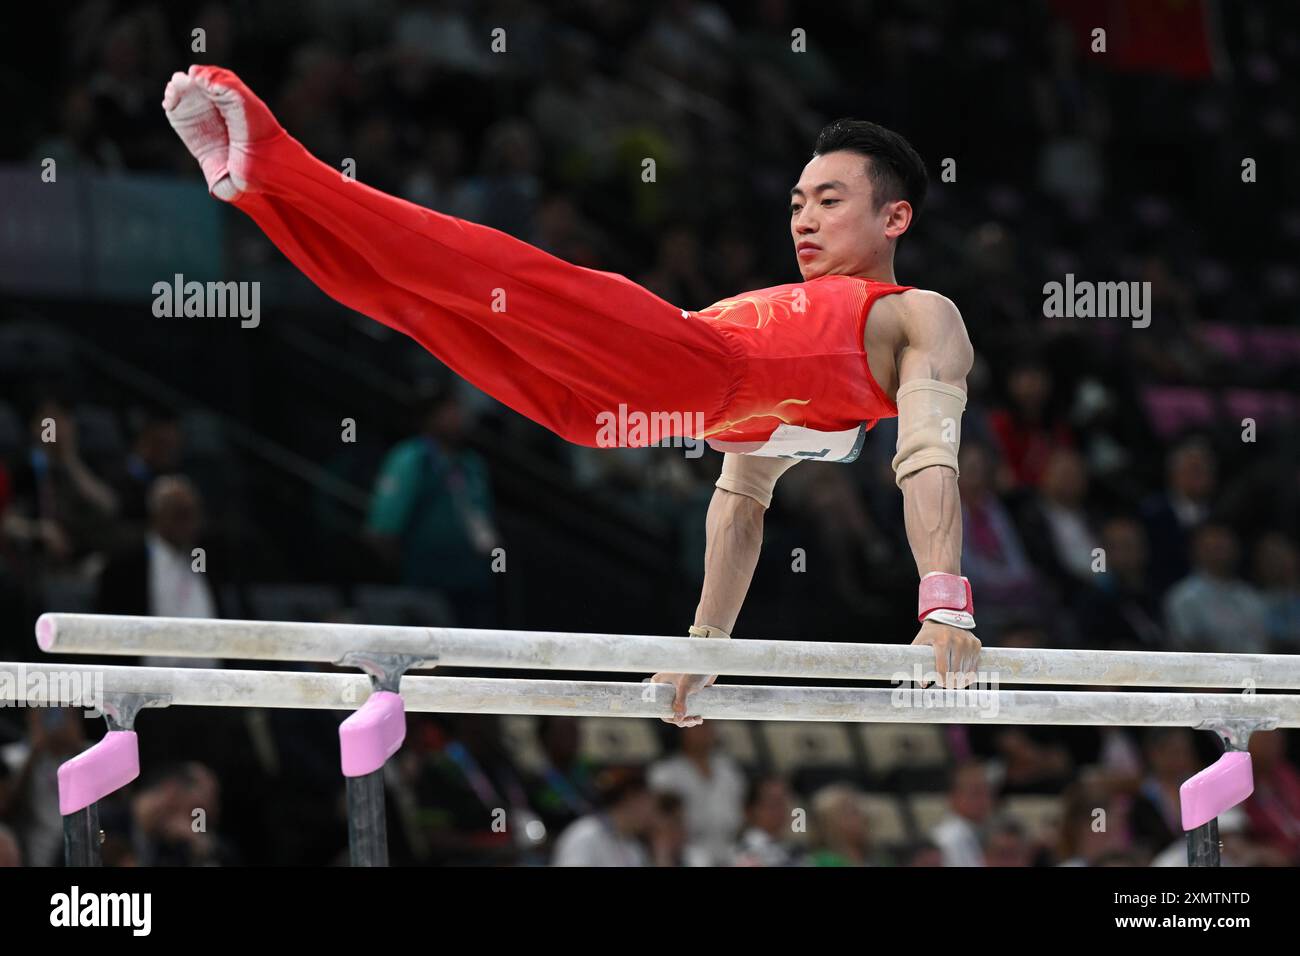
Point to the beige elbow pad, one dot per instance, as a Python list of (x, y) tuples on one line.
[(929, 426), (753, 476)]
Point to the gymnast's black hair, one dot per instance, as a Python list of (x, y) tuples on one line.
[(896, 169)]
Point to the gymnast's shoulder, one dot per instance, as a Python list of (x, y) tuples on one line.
[(931, 321)]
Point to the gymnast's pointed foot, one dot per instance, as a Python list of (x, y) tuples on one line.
[(220, 121)]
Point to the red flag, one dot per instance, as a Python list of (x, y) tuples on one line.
[(1178, 37)]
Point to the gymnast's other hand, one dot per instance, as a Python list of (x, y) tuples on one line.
[(219, 119), (956, 653), (683, 686)]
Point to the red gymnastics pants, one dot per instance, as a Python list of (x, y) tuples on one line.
[(563, 345)]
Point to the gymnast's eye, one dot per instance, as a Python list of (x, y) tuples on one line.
[(827, 202), (794, 208)]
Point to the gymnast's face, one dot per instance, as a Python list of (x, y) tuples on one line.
[(834, 222)]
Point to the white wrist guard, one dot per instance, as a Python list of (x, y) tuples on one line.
[(963, 619), (707, 630)]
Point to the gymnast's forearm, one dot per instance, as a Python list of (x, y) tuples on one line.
[(932, 517), (733, 540)]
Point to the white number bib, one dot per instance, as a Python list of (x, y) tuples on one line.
[(795, 441)]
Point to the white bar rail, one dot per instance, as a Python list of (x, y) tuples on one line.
[(548, 650), (86, 685)]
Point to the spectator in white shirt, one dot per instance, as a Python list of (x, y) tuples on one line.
[(1211, 609), (970, 803), (167, 576), (769, 813), (1055, 525), (712, 787), (611, 837)]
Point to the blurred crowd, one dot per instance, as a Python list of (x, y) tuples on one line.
[(1130, 488), (472, 791)]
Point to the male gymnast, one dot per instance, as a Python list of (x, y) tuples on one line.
[(772, 376)]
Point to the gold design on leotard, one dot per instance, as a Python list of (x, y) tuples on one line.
[(765, 308), (761, 310), (727, 426)]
